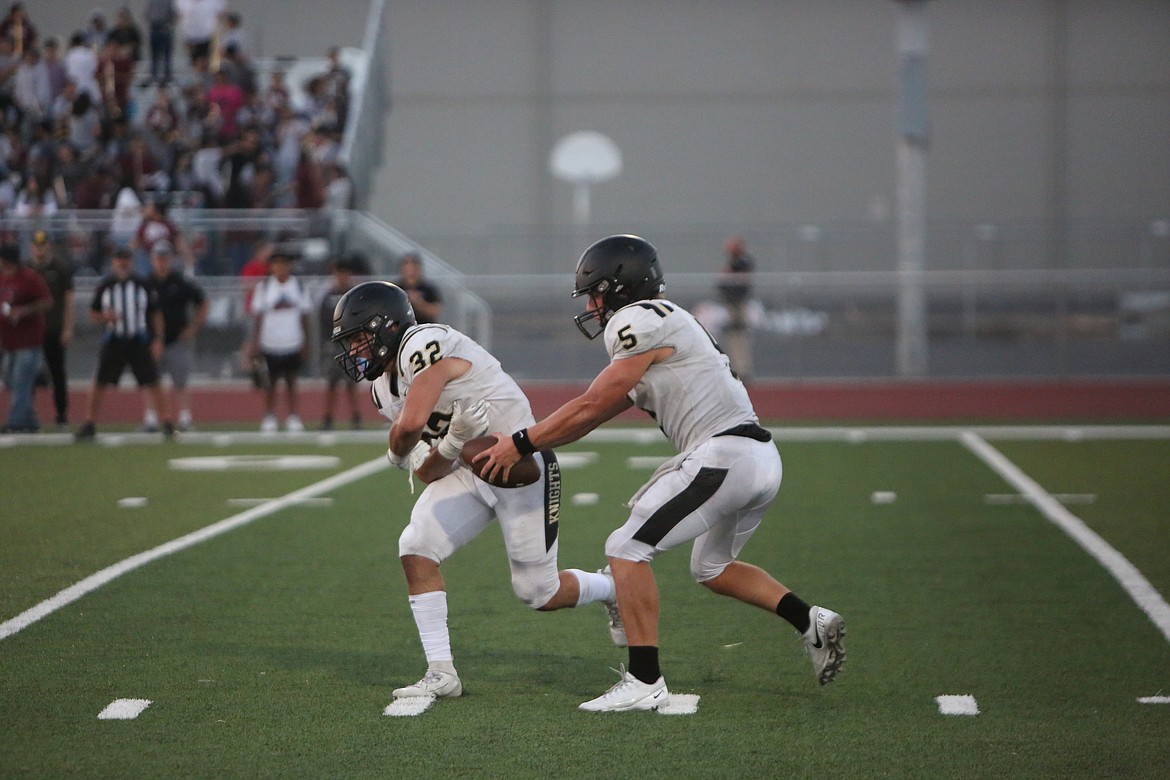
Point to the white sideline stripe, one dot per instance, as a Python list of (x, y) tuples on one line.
[(1016, 498), (957, 705), (409, 706), (321, 502), (1137, 586), (681, 704), (95, 581), (124, 709), (1154, 700)]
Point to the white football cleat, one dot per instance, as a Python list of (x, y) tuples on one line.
[(294, 425), (823, 642), (630, 694), (268, 424), (617, 629), (435, 683)]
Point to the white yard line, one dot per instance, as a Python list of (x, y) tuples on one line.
[(1137, 586), (95, 581)]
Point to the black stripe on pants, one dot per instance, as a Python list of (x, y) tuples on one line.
[(670, 514)]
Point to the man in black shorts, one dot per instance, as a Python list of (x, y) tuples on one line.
[(133, 337)]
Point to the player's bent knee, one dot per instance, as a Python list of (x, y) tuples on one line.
[(412, 543), (534, 593), (704, 572), (628, 549)]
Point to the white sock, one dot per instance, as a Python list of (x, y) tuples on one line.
[(150, 417), (594, 586), (185, 417), (430, 615)]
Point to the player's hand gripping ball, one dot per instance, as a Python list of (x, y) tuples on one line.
[(525, 472)]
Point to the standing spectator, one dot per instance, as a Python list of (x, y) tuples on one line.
[(81, 67), (156, 226), (16, 27), (55, 67), (126, 34), (281, 309), (24, 299), (229, 99), (184, 308), (233, 35), (9, 63), (98, 29), (160, 19), (116, 70), (424, 296), (58, 276), (133, 336), (199, 22), (342, 271), (32, 92), (714, 493), (735, 292)]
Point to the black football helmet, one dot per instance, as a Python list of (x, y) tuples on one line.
[(368, 323), (620, 269)]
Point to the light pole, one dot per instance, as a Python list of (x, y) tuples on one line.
[(911, 188)]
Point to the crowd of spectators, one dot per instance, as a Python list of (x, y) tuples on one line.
[(203, 127)]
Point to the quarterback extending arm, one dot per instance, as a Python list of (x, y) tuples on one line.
[(606, 397)]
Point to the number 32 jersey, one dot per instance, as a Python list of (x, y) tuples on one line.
[(423, 345), (693, 394)]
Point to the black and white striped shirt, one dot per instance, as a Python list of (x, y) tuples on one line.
[(134, 303)]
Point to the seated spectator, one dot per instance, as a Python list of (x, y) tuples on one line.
[(70, 171), (34, 201), (85, 126), (96, 189), (127, 216), (276, 94), (62, 107), (161, 118), (239, 70), (138, 164)]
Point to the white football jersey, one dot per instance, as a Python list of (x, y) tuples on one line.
[(693, 394), (421, 346)]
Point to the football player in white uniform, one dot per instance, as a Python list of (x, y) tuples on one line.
[(441, 389), (714, 492)]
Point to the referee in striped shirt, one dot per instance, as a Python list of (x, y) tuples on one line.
[(133, 337)]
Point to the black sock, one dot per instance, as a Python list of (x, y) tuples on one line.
[(644, 662), (795, 611)]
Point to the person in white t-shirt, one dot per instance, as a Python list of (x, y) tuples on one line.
[(280, 311)]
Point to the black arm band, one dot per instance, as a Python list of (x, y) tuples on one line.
[(522, 442)]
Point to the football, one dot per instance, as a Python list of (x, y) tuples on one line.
[(525, 472)]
